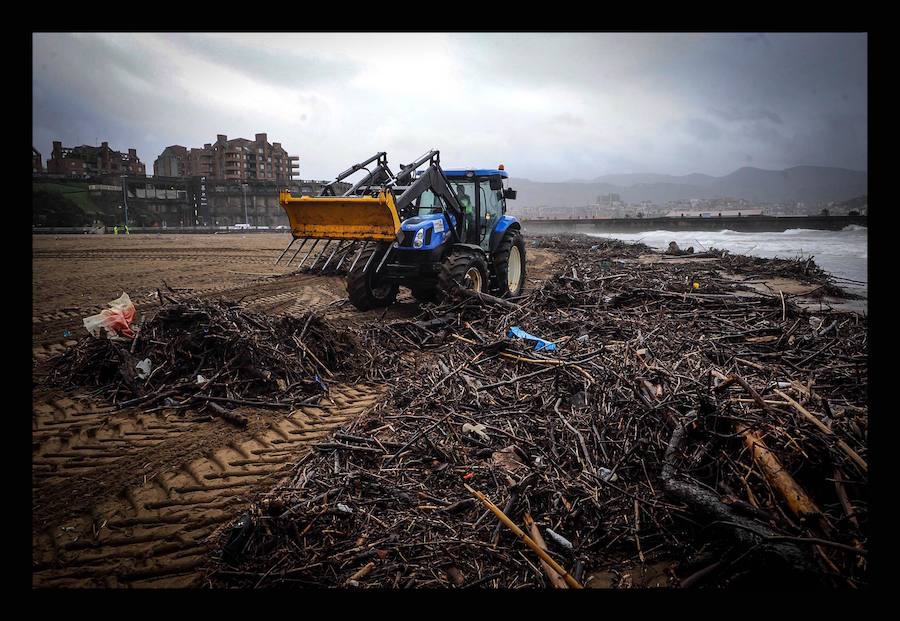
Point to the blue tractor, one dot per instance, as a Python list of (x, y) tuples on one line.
[(431, 230)]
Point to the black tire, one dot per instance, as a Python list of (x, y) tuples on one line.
[(424, 294), (364, 288), (454, 270), (500, 280)]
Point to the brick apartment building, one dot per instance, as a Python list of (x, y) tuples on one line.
[(238, 159), (37, 164), (172, 162), (178, 161), (88, 160)]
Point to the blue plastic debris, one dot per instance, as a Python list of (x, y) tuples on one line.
[(540, 343), (321, 383)]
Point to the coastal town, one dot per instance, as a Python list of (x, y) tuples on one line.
[(236, 182)]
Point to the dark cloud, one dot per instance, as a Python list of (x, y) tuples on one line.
[(841, 138), (551, 106), (746, 114), (277, 66), (789, 81)]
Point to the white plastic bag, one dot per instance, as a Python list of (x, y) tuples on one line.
[(143, 368), (477, 429)]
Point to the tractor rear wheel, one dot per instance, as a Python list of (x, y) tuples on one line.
[(365, 289), (509, 265), (462, 268)]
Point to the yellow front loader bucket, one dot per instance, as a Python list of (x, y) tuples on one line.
[(361, 218)]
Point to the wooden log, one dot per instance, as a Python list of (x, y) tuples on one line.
[(528, 540), (750, 533), (361, 573), (487, 298), (797, 500), (232, 417), (555, 579)]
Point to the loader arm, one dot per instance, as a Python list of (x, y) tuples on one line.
[(372, 216), (378, 176), (380, 157), (432, 179)]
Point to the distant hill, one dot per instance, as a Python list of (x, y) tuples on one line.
[(800, 183)]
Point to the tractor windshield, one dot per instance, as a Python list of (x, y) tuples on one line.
[(429, 204)]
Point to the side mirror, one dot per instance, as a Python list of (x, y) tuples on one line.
[(509, 194), (496, 184)]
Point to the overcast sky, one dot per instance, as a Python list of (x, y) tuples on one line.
[(551, 107)]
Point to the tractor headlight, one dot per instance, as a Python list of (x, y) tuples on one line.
[(419, 239)]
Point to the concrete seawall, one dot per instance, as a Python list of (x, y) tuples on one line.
[(742, 224)]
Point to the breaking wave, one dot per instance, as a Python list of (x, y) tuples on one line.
[(798, 231)]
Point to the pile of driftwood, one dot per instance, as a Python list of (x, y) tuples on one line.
[(676, 424), (191, 352), (802, 269), (599, 247)]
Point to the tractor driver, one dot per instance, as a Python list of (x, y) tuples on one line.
[(468, 209)]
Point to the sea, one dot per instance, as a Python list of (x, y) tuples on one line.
[(843, 254)]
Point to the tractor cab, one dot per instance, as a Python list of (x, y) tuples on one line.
[(483, 193)]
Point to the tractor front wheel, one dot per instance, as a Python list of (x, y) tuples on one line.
[(462, 268), (365, 289)]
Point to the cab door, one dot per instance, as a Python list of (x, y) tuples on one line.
[(491, 207)]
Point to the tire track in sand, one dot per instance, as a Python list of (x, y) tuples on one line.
[(157, 532)]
